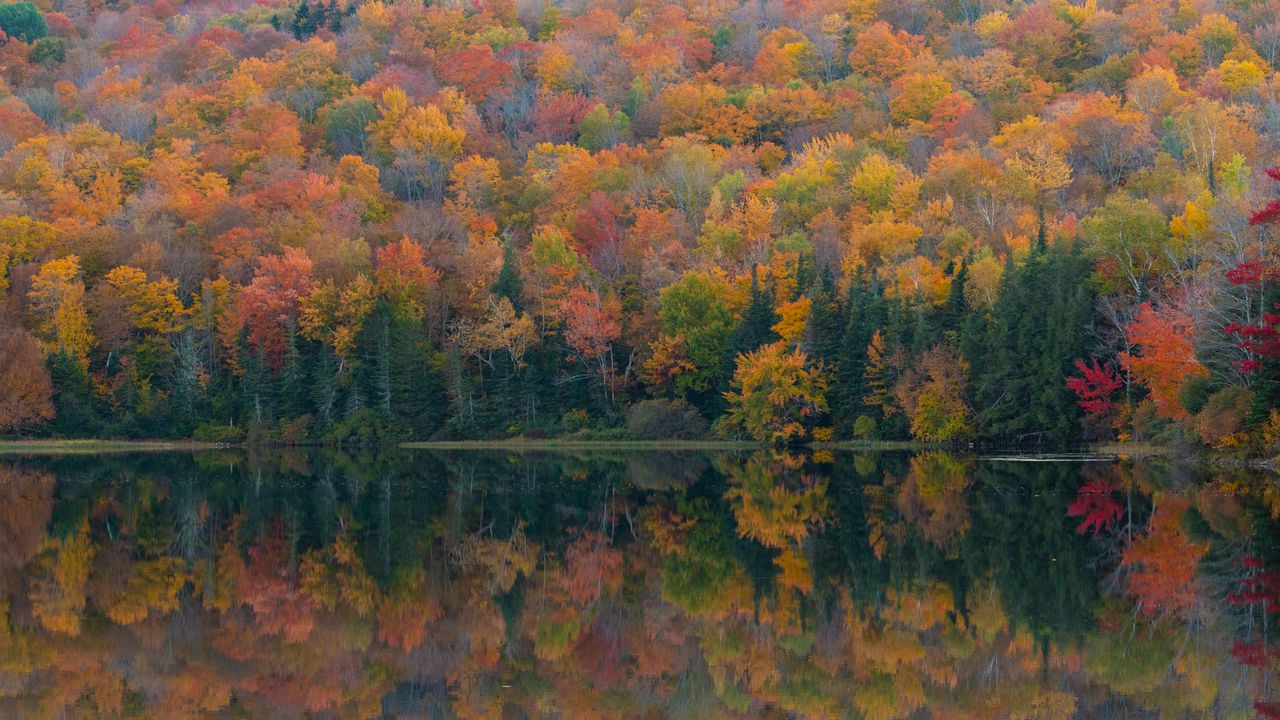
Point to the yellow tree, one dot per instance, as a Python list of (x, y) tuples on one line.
[(57, 301), (1039, 170), (932, 396), (150, 305), (775, 394), (336, 315)]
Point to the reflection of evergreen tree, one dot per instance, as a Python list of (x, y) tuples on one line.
[(1023, 539), (843, 549)]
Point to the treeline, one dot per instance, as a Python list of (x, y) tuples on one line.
[(335, 221)]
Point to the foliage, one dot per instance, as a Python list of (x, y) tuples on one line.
[(284, 215), (776, 397)]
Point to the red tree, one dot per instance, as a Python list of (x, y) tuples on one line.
[(268, 305), (1095, 387)]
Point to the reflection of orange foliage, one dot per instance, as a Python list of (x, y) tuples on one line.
[(270, 587), (591, 568), (26, 501), (1163, 562), (405, 613)]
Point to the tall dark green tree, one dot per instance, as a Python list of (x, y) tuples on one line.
[(1038, 329)]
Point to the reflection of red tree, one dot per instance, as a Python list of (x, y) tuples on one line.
[(271, 589), (1094, 504)]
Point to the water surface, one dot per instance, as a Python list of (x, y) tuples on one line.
[(475, 584)]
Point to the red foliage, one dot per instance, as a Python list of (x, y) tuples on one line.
[(1095, 386), (268, 306), (556, 117), (271, 588), (1097, 508), (475, 71), (599, 229)]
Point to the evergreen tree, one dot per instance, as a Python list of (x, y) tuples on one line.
[(756, 327), (335, 17), (73, 401), (864, 313), (1036, 332), (509, 283), (826, 322), (303, 24)]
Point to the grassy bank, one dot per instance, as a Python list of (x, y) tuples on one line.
[(92, 447), (554, 444)]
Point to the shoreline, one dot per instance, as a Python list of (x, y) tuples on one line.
[(1113, 451)]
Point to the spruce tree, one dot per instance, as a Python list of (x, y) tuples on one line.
[(509, 284), (756, 327)]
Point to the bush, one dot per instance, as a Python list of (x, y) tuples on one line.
[(1221, 420), (366, 427), (864, 428), (666, 420), (214, 432)]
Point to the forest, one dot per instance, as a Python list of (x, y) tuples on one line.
[(784, 221)]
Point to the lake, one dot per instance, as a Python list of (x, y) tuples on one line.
[(481, 584)]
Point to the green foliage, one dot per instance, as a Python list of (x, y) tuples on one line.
[(48, 51), (22, 20), (662, 419), (211, 431)]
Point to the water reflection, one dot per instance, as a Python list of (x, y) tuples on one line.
[(642, 585)]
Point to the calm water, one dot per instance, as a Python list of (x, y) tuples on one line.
[(640, 585)]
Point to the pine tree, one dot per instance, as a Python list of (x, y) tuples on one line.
[(756, 327), (1037, 331), (864, 313), (509, 284), (826, 322), (335, 17), (74, 411)]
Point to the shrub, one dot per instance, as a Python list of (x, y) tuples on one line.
[(666, 420), (365, 427), (1221, 420), (215, 432), (864, 428)]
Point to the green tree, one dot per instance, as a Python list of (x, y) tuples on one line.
[(22, 20)]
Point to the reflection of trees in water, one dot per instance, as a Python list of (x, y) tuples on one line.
[(26, 504), (598, 584)]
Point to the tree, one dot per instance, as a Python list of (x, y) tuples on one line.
[(1166, 358), (776, 396), (26, 391), (1095, 387), (268, 307), (1038, 170), (417, 145), (695, 309), (1163, 562), (1131, 240), (57, 301), (22, 20), (931, 394), (591, 325)]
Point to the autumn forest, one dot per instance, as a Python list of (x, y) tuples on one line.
[(786, 221)]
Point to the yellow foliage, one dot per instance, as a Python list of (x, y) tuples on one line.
[(794, 318)]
